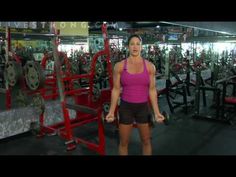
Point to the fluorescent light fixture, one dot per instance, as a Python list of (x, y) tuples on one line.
[(228, 41), (224, 32), (144, 22), (195, 27)]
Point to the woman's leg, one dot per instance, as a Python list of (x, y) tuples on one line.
[(124, 132), (145, 136)]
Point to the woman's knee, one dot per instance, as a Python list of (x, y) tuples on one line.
[(146, 141), (124, 143)]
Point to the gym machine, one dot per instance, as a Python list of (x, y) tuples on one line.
[(219, 98), (87, 104), (177, 85)]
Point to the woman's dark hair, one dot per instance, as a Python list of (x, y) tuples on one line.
[(132, 36)]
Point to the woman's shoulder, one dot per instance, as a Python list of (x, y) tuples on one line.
[(147, 62), (120, 65), (150, 65)]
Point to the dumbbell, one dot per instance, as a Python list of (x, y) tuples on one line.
[(167, 118)]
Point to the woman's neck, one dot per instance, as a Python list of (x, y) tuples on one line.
[(135, 59)]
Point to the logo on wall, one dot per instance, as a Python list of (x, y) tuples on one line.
[(26, 27), (72, 28)]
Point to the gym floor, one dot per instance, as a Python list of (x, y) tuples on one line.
[(184, 136)]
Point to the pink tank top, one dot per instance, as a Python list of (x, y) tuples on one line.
[(135, 87)]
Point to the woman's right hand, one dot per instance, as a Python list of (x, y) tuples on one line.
[(110, 117)]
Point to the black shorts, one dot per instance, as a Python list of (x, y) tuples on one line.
[(130, 113)]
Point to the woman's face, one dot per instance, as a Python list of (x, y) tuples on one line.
[(135, 46)]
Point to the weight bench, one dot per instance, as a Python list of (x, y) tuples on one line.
[(81, 108)]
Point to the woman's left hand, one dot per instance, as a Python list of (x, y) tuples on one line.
[(159, 117)]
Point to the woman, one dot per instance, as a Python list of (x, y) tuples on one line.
[(136, 77)]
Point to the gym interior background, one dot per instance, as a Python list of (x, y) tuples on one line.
[(56, 81)]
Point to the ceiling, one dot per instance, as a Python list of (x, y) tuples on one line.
[(124, 28), (224, 28), (93, 26)]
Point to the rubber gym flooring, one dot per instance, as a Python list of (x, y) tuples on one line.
[(184, 136)]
